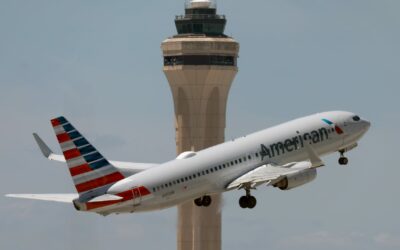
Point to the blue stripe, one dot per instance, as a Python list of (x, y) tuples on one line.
[(327, 121), (74, 135), (99, 164), (87, 149), (81, 142), (93, 157), (62, 120), (68, 127)]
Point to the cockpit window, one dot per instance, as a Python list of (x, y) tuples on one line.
[(356, 118)]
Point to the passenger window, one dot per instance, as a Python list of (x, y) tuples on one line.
[(216, 168), (198, 174), (240, 160), (220, 167), (211, 170), (256, 154)]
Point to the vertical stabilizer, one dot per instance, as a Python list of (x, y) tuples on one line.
[(91, 173)]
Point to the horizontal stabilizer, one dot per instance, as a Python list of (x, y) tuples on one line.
[(67, 198)]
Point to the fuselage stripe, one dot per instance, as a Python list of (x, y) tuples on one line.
[(127, 195), (99, 182)]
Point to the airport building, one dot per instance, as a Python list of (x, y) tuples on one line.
[(200, 63)]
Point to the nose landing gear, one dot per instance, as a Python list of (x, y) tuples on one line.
[(342, 159), (247, 201)]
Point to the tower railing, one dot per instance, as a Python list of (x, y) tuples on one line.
[(199, 16)]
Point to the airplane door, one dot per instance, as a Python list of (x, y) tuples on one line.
[(137, 197)]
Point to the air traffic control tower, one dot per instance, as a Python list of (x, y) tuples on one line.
[(200, 63)]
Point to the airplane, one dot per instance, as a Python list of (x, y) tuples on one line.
[(285, 156)]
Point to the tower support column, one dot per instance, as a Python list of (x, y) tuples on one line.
[(200, 66)]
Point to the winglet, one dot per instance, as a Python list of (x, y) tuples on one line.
[(46, 151), (313, 157)]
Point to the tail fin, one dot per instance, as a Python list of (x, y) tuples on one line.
[(90, 171)]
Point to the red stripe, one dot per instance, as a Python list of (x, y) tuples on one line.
[(99, 182), (72, 153), (80, 169), (127, 195), (94, 205), (55, 122), (143, 191), (63, 137)]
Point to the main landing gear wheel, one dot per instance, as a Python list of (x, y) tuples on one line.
[(343, 160), (247, 201), (204, 201), (198, 202)]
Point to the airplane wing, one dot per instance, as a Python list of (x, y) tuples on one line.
[(67, 198), (130, 166), (269, 174)]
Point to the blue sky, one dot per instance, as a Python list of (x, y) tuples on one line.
[(99, 63)]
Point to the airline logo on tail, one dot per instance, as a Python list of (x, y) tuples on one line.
[(88, 168)]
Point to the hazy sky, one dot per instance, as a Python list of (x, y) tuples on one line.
[(99, 63)]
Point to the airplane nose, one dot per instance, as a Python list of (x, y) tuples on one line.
[(366, 125)]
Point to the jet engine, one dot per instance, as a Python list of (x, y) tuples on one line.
[(297, 179)]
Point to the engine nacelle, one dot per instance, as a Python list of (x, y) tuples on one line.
[(297, 179)]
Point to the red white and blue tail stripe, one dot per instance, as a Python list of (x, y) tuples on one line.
[(88, 168)]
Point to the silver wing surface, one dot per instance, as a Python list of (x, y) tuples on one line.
[(131, 167)]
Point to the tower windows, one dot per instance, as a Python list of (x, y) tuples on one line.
[(200, 60)]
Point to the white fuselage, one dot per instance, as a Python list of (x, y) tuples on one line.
[(210, 170)]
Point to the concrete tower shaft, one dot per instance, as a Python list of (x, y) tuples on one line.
[(200, 91), (200, 64)]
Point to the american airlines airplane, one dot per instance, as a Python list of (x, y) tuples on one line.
[(285, 156)]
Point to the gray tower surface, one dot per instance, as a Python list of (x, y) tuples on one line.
[(200, 63)]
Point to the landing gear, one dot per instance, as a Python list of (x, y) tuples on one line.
[(198, 202), (204, 201), (343, 160), (247, 201)]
